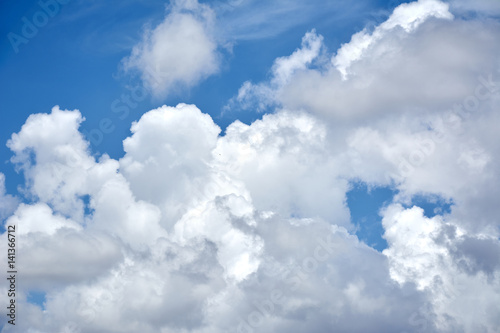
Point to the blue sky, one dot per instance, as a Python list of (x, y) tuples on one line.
[(251, 166)]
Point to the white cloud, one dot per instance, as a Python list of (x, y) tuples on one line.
[(39, 218), (407, 16), (53, 156), (267, 213), (425, 251), (418, 60), (179, 52), (285, 161), (428, 70), (166, 160), (264, 95)]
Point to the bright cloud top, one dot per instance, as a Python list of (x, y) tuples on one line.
[(406, 16)]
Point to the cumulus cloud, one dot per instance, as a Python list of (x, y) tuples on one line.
[(249, 231), (177, 53), (264, 95), (424, 251), (285, 160), (406, 16), (179, 142), (431, 68), (249, 250), (54, 158), (418, 60)]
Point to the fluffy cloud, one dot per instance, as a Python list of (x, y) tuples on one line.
[(443, 59), (406, 16), (451, 265), (369, 77), (167, 157), (285, 161), (177, 53), (193, 231), (235, 257), (421, 83), (264, 95)]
